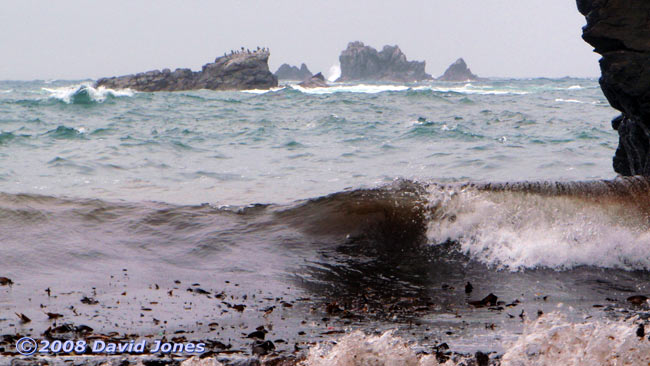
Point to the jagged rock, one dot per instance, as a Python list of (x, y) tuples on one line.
[(288, 72), (361, 62), (316, 81), (458, 71), (619, 30), (239, 70)]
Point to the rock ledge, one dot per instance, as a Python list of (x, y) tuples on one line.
[(236, 71)]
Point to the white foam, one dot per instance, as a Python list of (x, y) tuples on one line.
[(516, 231), (552, 340), (471, 89), (99, 94), (574, 87), (358, 349), (569, 101), (360, 88), (6, 91), (380, 88), (548, 341), (334, 73), (262, 91), (196, 361)]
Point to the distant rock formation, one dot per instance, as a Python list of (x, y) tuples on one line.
[(316, 81), (458, 71), (288, 72), (363, 63), (236, 71), (620, 31)]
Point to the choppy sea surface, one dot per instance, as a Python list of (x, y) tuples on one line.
[(363, 207)]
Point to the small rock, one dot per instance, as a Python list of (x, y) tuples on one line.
[(89, 301), (489, 300), (637, 299), (23, 318), (54, 315), (263, 348), (482, 359)]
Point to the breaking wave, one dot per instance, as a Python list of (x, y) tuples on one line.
[(511, 226), (546, 224), (86, 94)]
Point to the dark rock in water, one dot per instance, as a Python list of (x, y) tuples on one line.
[(468, 288), (236, 71), (640, 331), (489, 300), (89, 301), (361, 62), (316, 81), (482, 359), (458, 71), (4, 281), (637, 299), (263, 348), (288, 72), (23, 318), (619, 30), (442, 352)]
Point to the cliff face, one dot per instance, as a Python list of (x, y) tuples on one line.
[(288, 72), (361, 62), (458, 71), (241, 70), (619, 30)]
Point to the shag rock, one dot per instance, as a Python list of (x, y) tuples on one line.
[(363, 63), (619, 30), (288, 72), (316, 81), (236, 71), (458, 71)]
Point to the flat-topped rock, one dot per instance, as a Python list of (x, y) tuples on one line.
[(288, 72), (236, 71), (458, 71), (363, 63)]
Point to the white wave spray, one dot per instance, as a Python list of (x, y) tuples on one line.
[(549, 340), (333, 73), (521, 230), (86, 93)]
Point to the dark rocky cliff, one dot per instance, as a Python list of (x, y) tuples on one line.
[(288, 72), (458, 71), (363, 63), (619, 30), (239, 70)]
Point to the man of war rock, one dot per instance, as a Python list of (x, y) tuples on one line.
[(363, 63)]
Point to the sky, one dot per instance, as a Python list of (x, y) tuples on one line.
[(78, 39)]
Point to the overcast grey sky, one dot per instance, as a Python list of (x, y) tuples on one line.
[(71, 39)]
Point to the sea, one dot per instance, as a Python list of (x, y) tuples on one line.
[(360, 224)]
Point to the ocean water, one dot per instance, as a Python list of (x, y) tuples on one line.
[(351, 210)]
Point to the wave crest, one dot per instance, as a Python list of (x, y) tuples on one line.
[(86, 94), (554, 225)]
